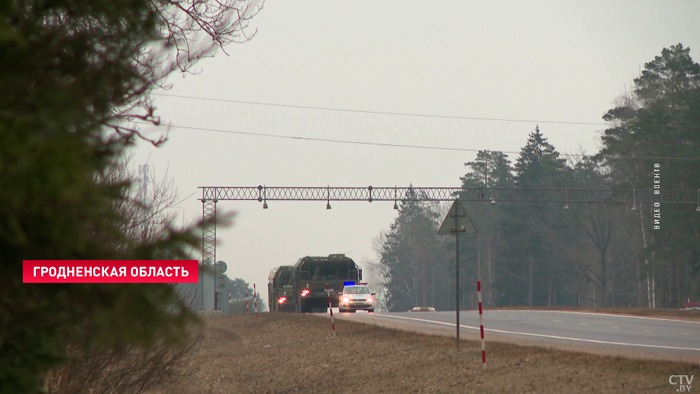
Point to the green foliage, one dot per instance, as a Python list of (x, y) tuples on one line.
[(539, 164), (529, 233), (238, 287), (541, 253), (606, 254), (71, 72), (478, 254), (660, 118), (538, 253), (489, 169), (409, 253)]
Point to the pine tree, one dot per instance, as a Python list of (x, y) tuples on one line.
[(531, 229), (489, 170), (409, 254), (661, 118)]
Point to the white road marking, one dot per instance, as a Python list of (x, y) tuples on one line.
[(614, 327), (584, 324), (546, 336), (557, 321), (647, 330), (617, 315)]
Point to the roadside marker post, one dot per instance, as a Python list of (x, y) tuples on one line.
[(255, 295), (330, 307), (481, 322)]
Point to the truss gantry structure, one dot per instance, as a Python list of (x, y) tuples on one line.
[(634, 198), (395, 194)]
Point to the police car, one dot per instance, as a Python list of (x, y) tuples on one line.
[(356, 297)]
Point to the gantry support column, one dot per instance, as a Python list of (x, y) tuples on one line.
[(208, 244)]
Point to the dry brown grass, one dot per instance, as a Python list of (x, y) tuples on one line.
[(123, 369), (291, 353)]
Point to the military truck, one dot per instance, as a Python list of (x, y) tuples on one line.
[(311, 273), (280, 289)]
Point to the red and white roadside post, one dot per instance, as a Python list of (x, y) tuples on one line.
[(330, 307), (247, 309), (255, 295), (481, 322)]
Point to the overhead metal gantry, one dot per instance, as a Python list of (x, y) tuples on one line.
[(369, 194), (634, 198)]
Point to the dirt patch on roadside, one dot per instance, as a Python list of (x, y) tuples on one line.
[(292, 353)]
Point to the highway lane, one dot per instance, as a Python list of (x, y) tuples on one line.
[(631, 332)]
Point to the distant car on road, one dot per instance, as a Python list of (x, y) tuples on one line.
[(356, 297), (422, 309)]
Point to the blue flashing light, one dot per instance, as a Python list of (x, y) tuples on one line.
[(348, 283)]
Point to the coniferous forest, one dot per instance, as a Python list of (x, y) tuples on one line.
[(589, 254)]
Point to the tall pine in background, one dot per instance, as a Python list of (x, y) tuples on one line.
[(410, 253), (658, 124), (532, 261), (593, 254), (489, 170)]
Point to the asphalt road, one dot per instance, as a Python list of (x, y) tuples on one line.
[(638, 333)]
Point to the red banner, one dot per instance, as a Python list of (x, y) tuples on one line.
[(110, 271)]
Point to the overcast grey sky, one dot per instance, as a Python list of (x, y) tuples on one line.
[(546, 61)]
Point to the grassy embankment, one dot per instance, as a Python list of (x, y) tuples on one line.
[(289, 353)]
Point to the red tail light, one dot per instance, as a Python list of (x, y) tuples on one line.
[(305, 292), (282, 300)]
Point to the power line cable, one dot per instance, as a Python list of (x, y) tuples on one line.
[(381, 112), (319, 139), (383, 144)]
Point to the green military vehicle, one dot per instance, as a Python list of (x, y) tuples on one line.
[(312, 273), (280, 289)]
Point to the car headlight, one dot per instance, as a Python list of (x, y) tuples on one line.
[(370, 299), (345, 300)]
